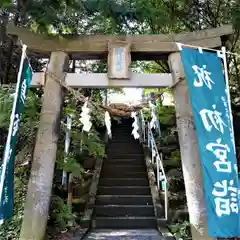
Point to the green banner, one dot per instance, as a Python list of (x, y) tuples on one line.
[(216, 146), (7, 168)]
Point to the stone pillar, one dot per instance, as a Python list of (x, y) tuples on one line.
[(190, 158), (40, 183)]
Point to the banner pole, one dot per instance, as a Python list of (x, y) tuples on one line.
[(7, 146), (228, 92)]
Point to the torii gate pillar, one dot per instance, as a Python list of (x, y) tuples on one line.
[(190, 158), (40, 182)]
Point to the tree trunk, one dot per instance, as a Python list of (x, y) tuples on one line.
[(40, 183), (8, 62), (191, 164), (3, 23)]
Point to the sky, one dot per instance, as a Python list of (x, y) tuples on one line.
[(133, 95)]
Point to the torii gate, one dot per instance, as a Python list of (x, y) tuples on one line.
[(119, 50)]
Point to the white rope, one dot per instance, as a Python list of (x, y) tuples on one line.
[(108, 124), (228, 94), (135, 126), (204, 48), (85, 117)]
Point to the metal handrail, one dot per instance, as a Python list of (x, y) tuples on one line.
[(156, 158)]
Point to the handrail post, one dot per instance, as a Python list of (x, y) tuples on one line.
[(143, 129), (152, 149), (158, 173), (166, 199)]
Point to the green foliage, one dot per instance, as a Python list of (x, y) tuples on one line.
[(60, 213), (82, 145), (29, 118), (156, 91), (31, 110), (6, 101), (5, 4), (176, 155), (10, 229), (174, 160), (93, 145), (165, 114), (69, 163), (117, 119), (181, 230), (236, 15), (168, 138)]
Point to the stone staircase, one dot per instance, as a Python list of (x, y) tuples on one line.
[(123, 198)]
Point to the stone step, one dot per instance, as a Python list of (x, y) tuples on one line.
[(123, 135), (120, 132), (124, 210), (126, 222), (123, 182), (124, 200), (130, 147), (122, 140), (130, 140), (131, 234), (123, 190), (124, 150), (123, 147), (112, 174), (126, 136), (120, 168), (122, 126), (122, 161), (125, 154)]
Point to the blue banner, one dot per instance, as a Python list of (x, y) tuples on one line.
[(209, 98), (7, 168)]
